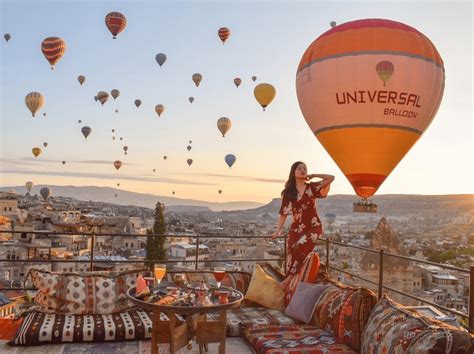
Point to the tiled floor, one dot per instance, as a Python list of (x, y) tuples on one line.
[(233, 346)]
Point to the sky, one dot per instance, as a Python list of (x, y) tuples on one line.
[(267, 40)]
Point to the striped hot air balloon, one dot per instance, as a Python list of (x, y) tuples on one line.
[(369, 100), (224, 34), (53, 49), (224, 124), (34, 101), (115, 22)]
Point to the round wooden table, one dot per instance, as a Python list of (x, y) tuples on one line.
[(179, 333)]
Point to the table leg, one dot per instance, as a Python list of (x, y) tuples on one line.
[(223, 320), (172, 318), (154, 332)]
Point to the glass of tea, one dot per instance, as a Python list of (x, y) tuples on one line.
[(219, 274), (160, 271), (179, 280)]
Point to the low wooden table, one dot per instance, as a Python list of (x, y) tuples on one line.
[(180, 333)]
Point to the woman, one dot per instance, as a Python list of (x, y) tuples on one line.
[(299, 197)]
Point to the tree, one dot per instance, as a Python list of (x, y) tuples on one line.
[(155, 245)]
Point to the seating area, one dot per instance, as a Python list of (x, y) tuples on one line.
[(314, 314)]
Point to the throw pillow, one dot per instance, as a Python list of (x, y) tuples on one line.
[(307, 274), (304, 301), (265, 290)]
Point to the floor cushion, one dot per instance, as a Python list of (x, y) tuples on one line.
[(239, 318), (47, 328), (293, 339), (396, 329), (265, 290), (344, 311), (84, 293), (8, 328), (307, 274)]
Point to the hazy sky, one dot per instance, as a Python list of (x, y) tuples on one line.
[(268, 40)]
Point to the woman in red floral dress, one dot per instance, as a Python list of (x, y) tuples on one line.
[(299, 198)]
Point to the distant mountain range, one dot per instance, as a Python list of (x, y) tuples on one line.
[(107, 194)]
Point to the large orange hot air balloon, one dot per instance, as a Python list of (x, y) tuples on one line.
[(369, 100), (115, 22), (223, 33), (53, 49)]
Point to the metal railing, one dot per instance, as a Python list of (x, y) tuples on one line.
[(381, 254)]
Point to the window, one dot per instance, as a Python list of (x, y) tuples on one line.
[(126, 244), (10, 208), (131, 245), (23, 235)]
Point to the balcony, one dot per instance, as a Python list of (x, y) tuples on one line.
[(236, 345)]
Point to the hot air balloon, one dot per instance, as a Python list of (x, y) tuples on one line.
[(113, 138), (113, 130), (64, 162), (237, 81), (367, 128), (191, 99), (118, 184), (95, 98), (384, 70), (7, 36), (189, 147), (28, 186), (159, 109), (116, 23), (53, 49), (86, 131), (79, 121), (189, 161), (197, 78), (45, 144), (160, 59), (116, 111), (115, 93), (190, 141), (117, 164), (230, 159), (102, 96), (125, 148), (165, 157), (332, 24), (81, 79), (138, 103), (264, 93), (254, 78), (224, 124), (154, 170), (45, 192), (121, 138), (223, 33), (34, 101), (220, 191), (173, 192), (44, 114), (36, 151)]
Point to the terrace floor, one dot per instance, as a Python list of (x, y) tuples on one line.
[(236, 345)]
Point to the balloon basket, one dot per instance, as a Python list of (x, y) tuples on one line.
[(364, 206)]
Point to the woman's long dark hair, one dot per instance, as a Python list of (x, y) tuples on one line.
[(290, 192)]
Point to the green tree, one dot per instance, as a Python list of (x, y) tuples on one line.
[(155, 245)]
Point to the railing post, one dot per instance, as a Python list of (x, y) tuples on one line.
[(92, 253), (197, 253), (380, 274), (471, 299), (327, 256)]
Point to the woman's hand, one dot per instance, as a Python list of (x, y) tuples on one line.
[(276, 234), (308, 177)]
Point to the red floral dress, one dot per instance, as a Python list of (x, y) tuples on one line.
[(306, 226)]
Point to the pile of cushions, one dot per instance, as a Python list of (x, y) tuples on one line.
[(82, 307)]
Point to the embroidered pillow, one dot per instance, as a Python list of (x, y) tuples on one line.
[(308, 274), (304, 301), (265, 290)]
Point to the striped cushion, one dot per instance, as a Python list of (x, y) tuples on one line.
[(308, 274), (48, 328)]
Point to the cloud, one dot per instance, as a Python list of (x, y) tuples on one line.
[(108, 176), (247, 178)]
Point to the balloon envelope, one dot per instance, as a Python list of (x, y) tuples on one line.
[(368, 101), (86, 131), (264, 93), (36, 151), (115, 22), (159, 109), (115, 93), (102, 96), (224, 124), (237, 81), (45, 144), (117, 164), (254, 78), (45, 192), (138, 103), (223, 33), (160, 59), (53, 49), (191, 99), (81, 79), (29, 185), (189, 161), (7, 36), (34, 101), (230, 159), (197, 78)]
